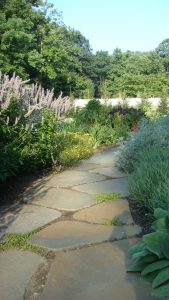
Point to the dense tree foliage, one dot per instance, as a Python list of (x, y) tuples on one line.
[(36, 44)]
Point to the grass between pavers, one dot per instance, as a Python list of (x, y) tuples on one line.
[(107, 196), (115, 221), (19, 241)]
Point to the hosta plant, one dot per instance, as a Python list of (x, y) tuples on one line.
[(151, 257)]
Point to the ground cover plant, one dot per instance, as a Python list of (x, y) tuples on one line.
[(149, 133), (151, 257), (149, 182)]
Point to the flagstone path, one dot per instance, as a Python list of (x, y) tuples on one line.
[(85, 242)]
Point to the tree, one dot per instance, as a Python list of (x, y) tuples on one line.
[(163, 51)]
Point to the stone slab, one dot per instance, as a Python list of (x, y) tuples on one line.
[(71, 177), (85, 166), (106, 211), (65, 199), (32, 217), (17, 267), (71, 234), (107, 157), (36, 190), (95, 273), (119, 185), (113, 172)]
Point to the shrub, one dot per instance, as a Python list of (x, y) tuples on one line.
[(130, 115), (156, 133), (145, 106), (94, 112), (149, 183), (151, 258), (72, 155), (103, 135), (120, 126), (76, 147), (28, 117)]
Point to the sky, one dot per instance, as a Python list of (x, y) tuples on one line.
[(126, 24)]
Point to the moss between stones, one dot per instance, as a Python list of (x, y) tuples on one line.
[(19, 241), (107, 196)]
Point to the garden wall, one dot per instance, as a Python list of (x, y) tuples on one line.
[(131, 101)]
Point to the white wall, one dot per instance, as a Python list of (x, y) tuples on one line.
[(115, 101)]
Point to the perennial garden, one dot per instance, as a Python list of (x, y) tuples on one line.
[(39, 131)]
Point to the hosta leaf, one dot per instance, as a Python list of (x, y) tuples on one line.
[(136, 248), (148, 258), (160, 213), (140, 254), (165, 244), (162, 277), (153, 241), (162, 291), (157, 265), (150, 276), (162, 223), (136, 267)]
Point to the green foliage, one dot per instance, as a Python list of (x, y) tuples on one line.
[(77, 146), (19, 241), (163, 108), (94, 119), (107, 196), (60, 57), (104, 135), (150, 133), (31, 137), (115, 222), (92, 113), (151, 258), (148, 183), (145, 106)]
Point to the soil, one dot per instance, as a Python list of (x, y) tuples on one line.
[(141, 218)]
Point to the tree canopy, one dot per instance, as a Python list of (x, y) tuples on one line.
[(36, 44)]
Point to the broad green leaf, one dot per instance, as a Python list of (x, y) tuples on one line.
[(150, 276), (162, 223), (160, 213), (136, 248), (148, 258), (136, 267), (140, 254), (157, 265), (152, 241), (162, 291), (162, 277), (165, 244)]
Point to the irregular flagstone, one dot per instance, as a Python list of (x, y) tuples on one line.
[(95, 273), (65, 199), (16, 269), (85, 166), (106, 157), (119, 185), (113, 172), (36, 190), (72, 177), (70, 234), (31, 217), (106, 211)]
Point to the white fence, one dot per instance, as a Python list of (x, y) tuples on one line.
[(131, 101)]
